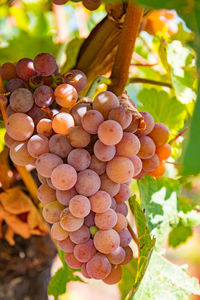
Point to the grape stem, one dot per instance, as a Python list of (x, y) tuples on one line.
[(134, 237), (178, 135), (125, 49), (149, 81), (93, 87)]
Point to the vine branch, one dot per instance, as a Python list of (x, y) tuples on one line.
[(125, 49), (149, 81)]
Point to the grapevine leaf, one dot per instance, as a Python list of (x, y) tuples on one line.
[(157, 103), (164, 280), (126, 285), (179, 235), (159, 198)]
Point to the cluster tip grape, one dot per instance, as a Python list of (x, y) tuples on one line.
[(85, 155)]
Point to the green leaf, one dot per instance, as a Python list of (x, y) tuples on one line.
[(163, 108), (179, 235), (128, 276), (164, 280), (72, 52), (183, 33), (159, 199)]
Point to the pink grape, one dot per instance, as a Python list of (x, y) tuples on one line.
[(110, 132), (58, 233), (9, 111), (25, 69), (65, 196), (128, 255), (104, 152), (125, 238), (21, 100), (84, 271), (43, 96), (114, 276), (122, 208), (62, 123), (68, 222), (79, 206), (78, 111), (46, 162), (72, 261), (79, 159), (123, 194), (106, 220), (20, 126), (140, 175), (20, 155), (91, 121), (120, 169), (65, 95), (117, 256), (100, 202), (67, 245), (59, 144), (106, 241), (133, 126), (15, 83), (64, 177), (37, 114), (81, 235), (121, 223), (8, 140), (151, 163), (52, 211), (121, 115), (109, 186), (147, 148), (149, 121), (88, 183), (84, 252), (44, 64), (42, 179), (137, 163), (104, 102), (129, 145), (159, 134), (38, 145), (97, 165), (114, 204), (89, 219), (46, 194), (48, 180), (98, 267), (77, 79), (78, 137)]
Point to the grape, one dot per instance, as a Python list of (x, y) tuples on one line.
[(129, 145), (79, 206), (64, 196), (43, 96), (58, 233), (45, 64), (46, 194), (64, 177), (48, 180), (36, 81), (59, 2), (78, 137), (149, 121), (84, 252), (36, 113), (62, 123), (84, 271), (21, 100), (72, 261), (69, 222), (120, 169), (114, 204), (128, 255), (19, 126), (8, 71), (120, 115), (140, 175), (20, 155), (106, 241), (59, 144), (44, 127), (66, 95), (123, 194), (78, 111), (97, 165), (121, 223), (52, 211), (89, 219), (117, 256), (104, 102), (110, 132), (98, 267), (9, 111), (107, 185), (88, 183), (133, 126), (159, 134), (122, 208), (77, 79), (137, 163), (159, 171), (100, 202), (163, 151), (114, 276), (14, 84), (150, 164), (46, 162), (91, 4), (38, 145), (81, 235), (104, 152), (106, 220), (67, 245), (91, 121), (79, 159), (25, 69), (125, 238), (147, 148), (8, 140), (42, 179)]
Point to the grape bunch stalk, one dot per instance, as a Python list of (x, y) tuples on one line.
[(86, 154)]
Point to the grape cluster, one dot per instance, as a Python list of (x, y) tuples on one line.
[(89, 4), (86, 154)]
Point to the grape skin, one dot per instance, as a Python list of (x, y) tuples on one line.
[(44, 127), (120, 169), (114, 276), (79, 159), (68, 222), (15, 83), (128, 255), (62, 123), (64, 177), (107, 185), (123, 194), (106, 220), (120, 115), (52, 211), (77, 79), (21, 100), (150, 164), (100, 202), (25, 69), (38, 145), (58, 233), (110, 132), (97, 165), (67, 245), (91, 121), (46, 194), (66, 95), (79, 206), (78, 137), (106, 241), (85, 251), (78, 111), (104, 152), (117, 256), (45, 64), (88, 183), (8, 71), (46, 162), (65, 196), (59, 145), (125, 238), (129, 145), (72, 261), (43, 96), (8, 140), (20, 126), (159, 134), (137, 163), (121, 223), (89, 219), (163, 151), (147, 148), (149, 121), (122, 208), (20, 155), (104, 102), (80, 236), (98, 267)]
